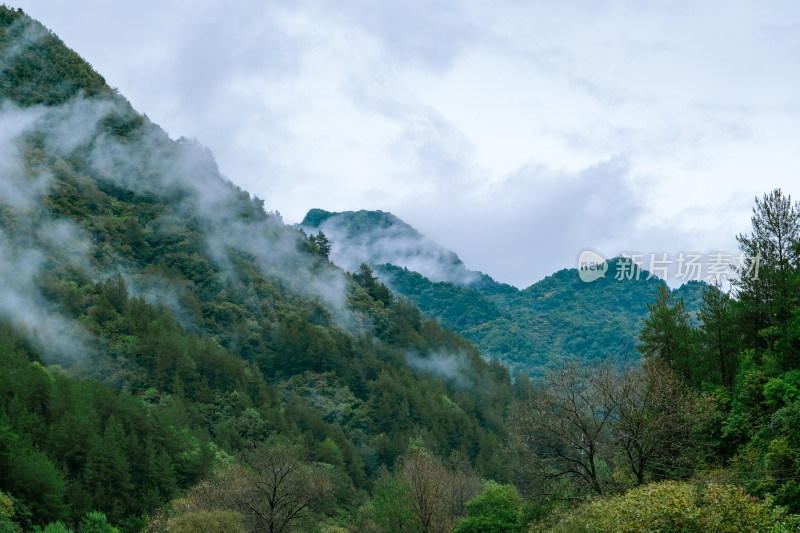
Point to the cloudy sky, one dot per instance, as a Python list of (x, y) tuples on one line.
[(515, 133)]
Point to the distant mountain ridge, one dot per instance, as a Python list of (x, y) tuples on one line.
[(378, 237), (557, 318)]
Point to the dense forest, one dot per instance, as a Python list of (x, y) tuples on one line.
[(551, 322), (174, 358)]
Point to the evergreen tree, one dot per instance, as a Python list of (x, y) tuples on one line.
[(96, 522), (378, 291), (767, 289), (666, 334), (323, 245), (718, 338)]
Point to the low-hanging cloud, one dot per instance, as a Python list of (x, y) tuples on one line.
[(381, 93), (536, 220), (449, 366), (181, 173), (32, 243), (389, 241), (187, 172), (21, 303)]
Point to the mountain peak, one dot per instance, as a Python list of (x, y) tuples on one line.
[(379, 237), (362, 223)]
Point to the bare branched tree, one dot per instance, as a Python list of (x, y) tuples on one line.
[(606, 428), (430, 490), (563, 425), (275, 488), (464, 484), (652, 419)]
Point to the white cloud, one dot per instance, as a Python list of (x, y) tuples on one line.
[(687, 109)]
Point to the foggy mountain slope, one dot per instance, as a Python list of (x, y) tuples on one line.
[(127, 258), (377, 237), (173, 357), (557, 318)]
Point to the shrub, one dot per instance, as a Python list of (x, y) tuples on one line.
[(672, 506)]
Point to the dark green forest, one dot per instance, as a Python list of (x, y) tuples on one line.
[(174, 358), (555, 320)]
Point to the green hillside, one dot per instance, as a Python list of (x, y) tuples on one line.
[(174, 358), (557, 319), (157, 322)]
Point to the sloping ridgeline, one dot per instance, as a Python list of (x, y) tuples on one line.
[(556, 319), (155, 320), (378, 237)]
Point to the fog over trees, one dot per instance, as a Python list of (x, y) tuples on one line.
[(174, 358)]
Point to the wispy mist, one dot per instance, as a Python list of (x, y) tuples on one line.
[(21, 303), (393, 241), (181, 174), (453, 367)]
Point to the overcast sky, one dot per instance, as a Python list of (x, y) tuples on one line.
[(514, 133)]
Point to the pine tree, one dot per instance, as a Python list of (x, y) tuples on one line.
[(718, 337), (323, 245), (766, 293), (666, 334)]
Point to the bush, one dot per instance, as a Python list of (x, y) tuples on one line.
[(497, 509), (205, 521), (96, 522), (675, 506)]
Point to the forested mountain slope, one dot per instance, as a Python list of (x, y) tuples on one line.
[(377, 237), (156, 321), (173, 358), (556, 319)]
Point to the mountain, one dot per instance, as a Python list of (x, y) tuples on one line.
[(553, 320), (157, 324), (377, 237), (175, 358)]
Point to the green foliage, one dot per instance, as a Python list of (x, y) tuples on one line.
[(217, 362), (672, 506), (392, 507), (378, 291), (95, 522), (783, 390), (31, 475), (40, 69), (95, 448), (6, 506), (717, 359), (497, 509), (557, 318), (458, 308), (666, 334), (743, 353), (55, 527), (767, 299), (7, 524), (320, 245), (204, 521)]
